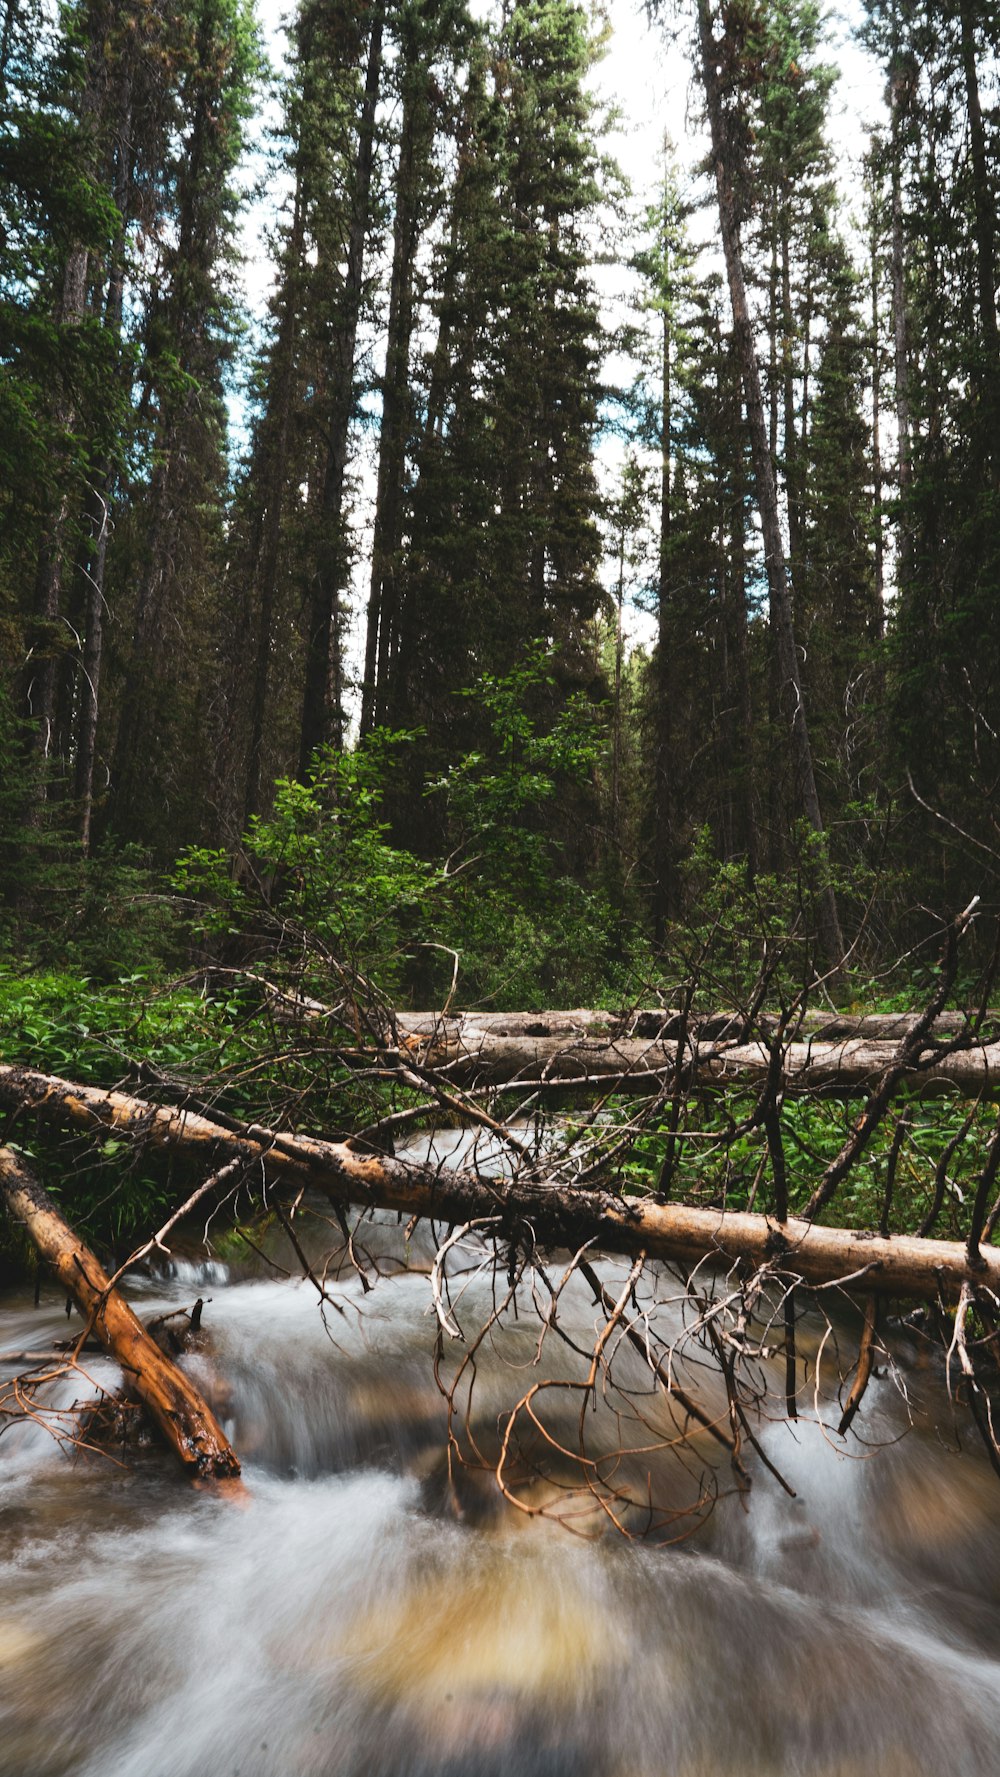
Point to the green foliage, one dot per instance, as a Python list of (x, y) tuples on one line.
[(320, 871), (65, 1023), (505, 546), (737, 926), (69, 1025), (495, 797), (103, 914), (321, 878), (714, 1167), (527, 932)]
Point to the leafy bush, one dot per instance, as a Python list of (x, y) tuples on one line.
[(319, 877), (66, 1024), (320, 885)]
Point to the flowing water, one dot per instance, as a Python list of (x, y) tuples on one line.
[(361, 1613)]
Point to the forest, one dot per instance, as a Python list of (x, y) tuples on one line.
[(500, 881), (371, 547)]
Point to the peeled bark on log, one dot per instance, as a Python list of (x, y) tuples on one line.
[(170, 1399), (554, 1214)]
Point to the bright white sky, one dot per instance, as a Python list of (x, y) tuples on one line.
[(648, 81), (651, 80)]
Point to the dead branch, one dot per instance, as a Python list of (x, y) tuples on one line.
[(866, 1360)]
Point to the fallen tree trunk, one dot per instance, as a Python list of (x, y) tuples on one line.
[(473, 1057), (554, 1214), (472, 1031), (170, 1399), (666, 1024), (383, 1024), (568, 1050)]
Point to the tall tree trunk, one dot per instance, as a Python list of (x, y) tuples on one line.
[(383, 603), (741, 645), (270, 493), (767, 492), (617, 722), (450, 367), (98, 510), (776, 795), (899, 91), (40, 674), (40, 677), (791, 442), (664, 814), (322, 703), (726, 748), (152, 746), (877, 428), (99, 522), (985, 239)]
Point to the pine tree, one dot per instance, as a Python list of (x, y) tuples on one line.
[(665, 265), (940, 163), (92, 152), (178, 525), (292, 551), (323, 696), (727, 64), (431, 44), (504, 542)]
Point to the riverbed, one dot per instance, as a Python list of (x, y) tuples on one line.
[(365, 1610)]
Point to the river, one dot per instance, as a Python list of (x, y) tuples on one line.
[(361, 1613)]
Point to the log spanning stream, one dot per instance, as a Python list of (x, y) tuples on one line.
[(360, 1611)]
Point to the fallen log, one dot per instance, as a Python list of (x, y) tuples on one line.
[(527, 1210), (630, 1064), (171, 1400), (568, 1050), (663, 1023), (473, 1031)]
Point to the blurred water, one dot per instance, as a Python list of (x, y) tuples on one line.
[(360, 1615)]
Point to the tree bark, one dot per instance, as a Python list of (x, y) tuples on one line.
[(848, 1067), (416, 130), (989, 374), (322, 703), (97, 515), (900, 87), (830, 1048), (877, 417), (767, 491), (741, 642), (665, 834), (170, 1399), (271, 455), (39, 678), (541, 1211)]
